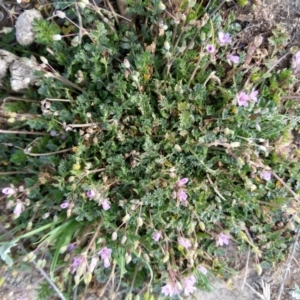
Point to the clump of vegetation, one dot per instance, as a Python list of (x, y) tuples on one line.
[(149, 147)]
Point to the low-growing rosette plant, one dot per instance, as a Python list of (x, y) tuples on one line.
[(154, 145)]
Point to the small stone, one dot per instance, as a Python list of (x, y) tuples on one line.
[(24, 26)]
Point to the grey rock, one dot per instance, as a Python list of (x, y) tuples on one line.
[(24, 27), (21, 74), (6, 59)]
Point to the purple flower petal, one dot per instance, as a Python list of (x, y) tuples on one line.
[(234, 58), (105, 205), (223, 239), (156, 236), (90, 193), (65, 205), (253, 95), (210, 48), (242, 99), (170, 289), (105, 253), (224, 38), (182, 196), (8, 191), (266, 175), (186, 243), (182, 181)]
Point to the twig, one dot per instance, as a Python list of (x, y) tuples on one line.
[(290, 97), (195, 69), (286, 186), (80, 22), (94, 237), (17, 172), (289, 264), (246, 271), (48, 153), (214, 187), (112, 11), (21, 132)]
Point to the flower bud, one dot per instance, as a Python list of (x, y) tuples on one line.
[(77, 279), (71, 178), (202, 226), (161, 6), (114, 236), (126, 218), (258, 269), (135, 244), (63, 249), (167, 45), (140, 221), (146, 256), (60, 14), (56, 37), (87, 278), (29, 226), (126, 63), (177, 148), (76, 167), (235, 144), (128, 258), (123, 240), (44, 59), (46, 215), (166, 257)]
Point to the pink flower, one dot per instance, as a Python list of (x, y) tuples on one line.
[(224, 38), (8, 191), (202, 269), (296, 61), (234, 58), (105, 255), (156, 236), (71, 247), (242, 99), (266, 175), (19, 208), (186, 243), (182, 196), (65, 205), (105, 204), (170, 289), (253, 95), (210, 48), (90, 193), (182, 181), (77, 260), (188, 285), (223, 239)]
